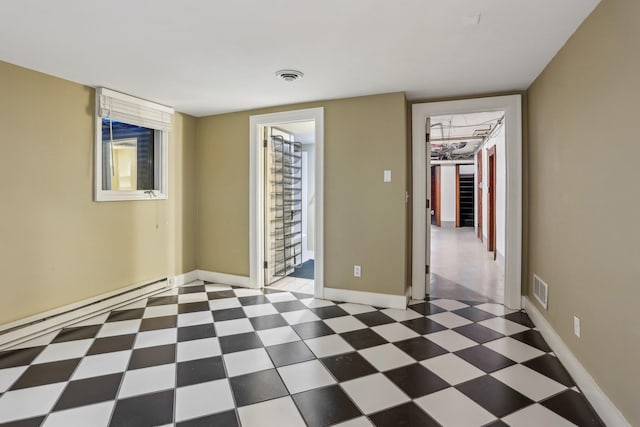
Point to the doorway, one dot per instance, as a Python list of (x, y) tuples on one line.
[(491, 195)]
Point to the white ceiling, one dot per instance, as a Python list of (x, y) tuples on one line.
[(207, 57)]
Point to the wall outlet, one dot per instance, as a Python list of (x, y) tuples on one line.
[(576, 326), (357, 271)]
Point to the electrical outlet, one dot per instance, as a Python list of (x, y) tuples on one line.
[(576, 326), (357, 271)]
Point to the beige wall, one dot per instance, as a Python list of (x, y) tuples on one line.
[(364, 217), (584, 239), (57, 246)]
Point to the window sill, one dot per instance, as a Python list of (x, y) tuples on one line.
[(114, 196)]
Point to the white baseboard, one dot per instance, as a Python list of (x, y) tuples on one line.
[(25, 329), (225, 279), (184, 278), (367, 298), (594, 394)]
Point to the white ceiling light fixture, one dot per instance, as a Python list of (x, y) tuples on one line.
[(289, 75)]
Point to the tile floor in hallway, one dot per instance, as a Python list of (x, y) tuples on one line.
[(213, 355)]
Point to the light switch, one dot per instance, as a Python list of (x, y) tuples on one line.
[(387, 176)]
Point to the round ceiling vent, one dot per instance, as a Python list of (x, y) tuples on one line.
[(289, 75)]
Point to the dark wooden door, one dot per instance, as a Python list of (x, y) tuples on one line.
[(435, 194), (492, 198), (480, 192)]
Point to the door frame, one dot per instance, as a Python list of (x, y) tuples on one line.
[(479, 193), (491, 196), (435, 191), (256, 192), (512, 106)]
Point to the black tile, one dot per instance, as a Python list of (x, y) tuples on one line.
[(196, 332), (191, 289), (551, 367), (574, 407), (484, 358), (223, 419), (132, 314), (77, 333), (289, 353), (374, 318), (268, 322), (478, 333), (420, 348), (300, 295), (348, 366), (254, 300), (155, 323), (497, 423), (312, 330), (416, 380), (426, 308), (423, 326), (257, 387), (220, 295), (329, 312), (325, 406), (199, 371), (46, 373), (228, 314), (494, 396), (533, 338), (166, 300), (29, 422), (152, 356), (111, 344), (272, 291), (88, 391), (20, 357), (474, 314), (363, 338), (520, 317), (285, 306), (192, 307), (407, 415), (147, 410), (471, 302), (239, 342)]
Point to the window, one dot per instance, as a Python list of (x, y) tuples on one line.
[(131, 147)]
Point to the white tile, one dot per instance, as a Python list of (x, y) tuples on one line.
[(215, 287), (63, 350), (244, 362), (316, 303), (246, 292), (95, 320), (280, 335), (514, 349), (452, 408), (157, 337), (401, 315), (387, 356), (449, 304), (232, 327), (29, 402), (203, 399), (394, 332), (497, 309), (91, 415), (344, 324), (102, 364), (528, 382), (147, 380), (452, 368), (280, 297), (272, 413), (356, 422), (38, 341), (450, 320), (259, 310), (356, 308), (328, 345), (141, 303), (123, 327), (534, 416), (198, 349), (299, 316), (305, 376), (168, 293), (450, 340), (195, 318), (221, 304), (9, 375), (374, 393), (504, 326), (160, 311), (194, 297)]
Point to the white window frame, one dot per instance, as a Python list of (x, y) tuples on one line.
[(161, 155)]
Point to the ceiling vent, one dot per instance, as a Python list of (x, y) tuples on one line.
[(289, 75)]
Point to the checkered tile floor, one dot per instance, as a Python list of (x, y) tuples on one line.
[(208, 354)]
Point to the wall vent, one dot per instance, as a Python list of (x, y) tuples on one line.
[(540, 290)]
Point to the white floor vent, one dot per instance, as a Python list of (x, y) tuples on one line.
[(540, 290)]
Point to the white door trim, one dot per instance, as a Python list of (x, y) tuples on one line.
[(512, 106), (256, 196)]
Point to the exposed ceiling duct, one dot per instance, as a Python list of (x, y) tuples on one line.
[(458, 137)]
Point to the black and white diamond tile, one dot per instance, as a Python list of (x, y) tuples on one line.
[(209, 354)]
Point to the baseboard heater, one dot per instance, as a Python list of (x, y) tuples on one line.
[(31, 327)]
